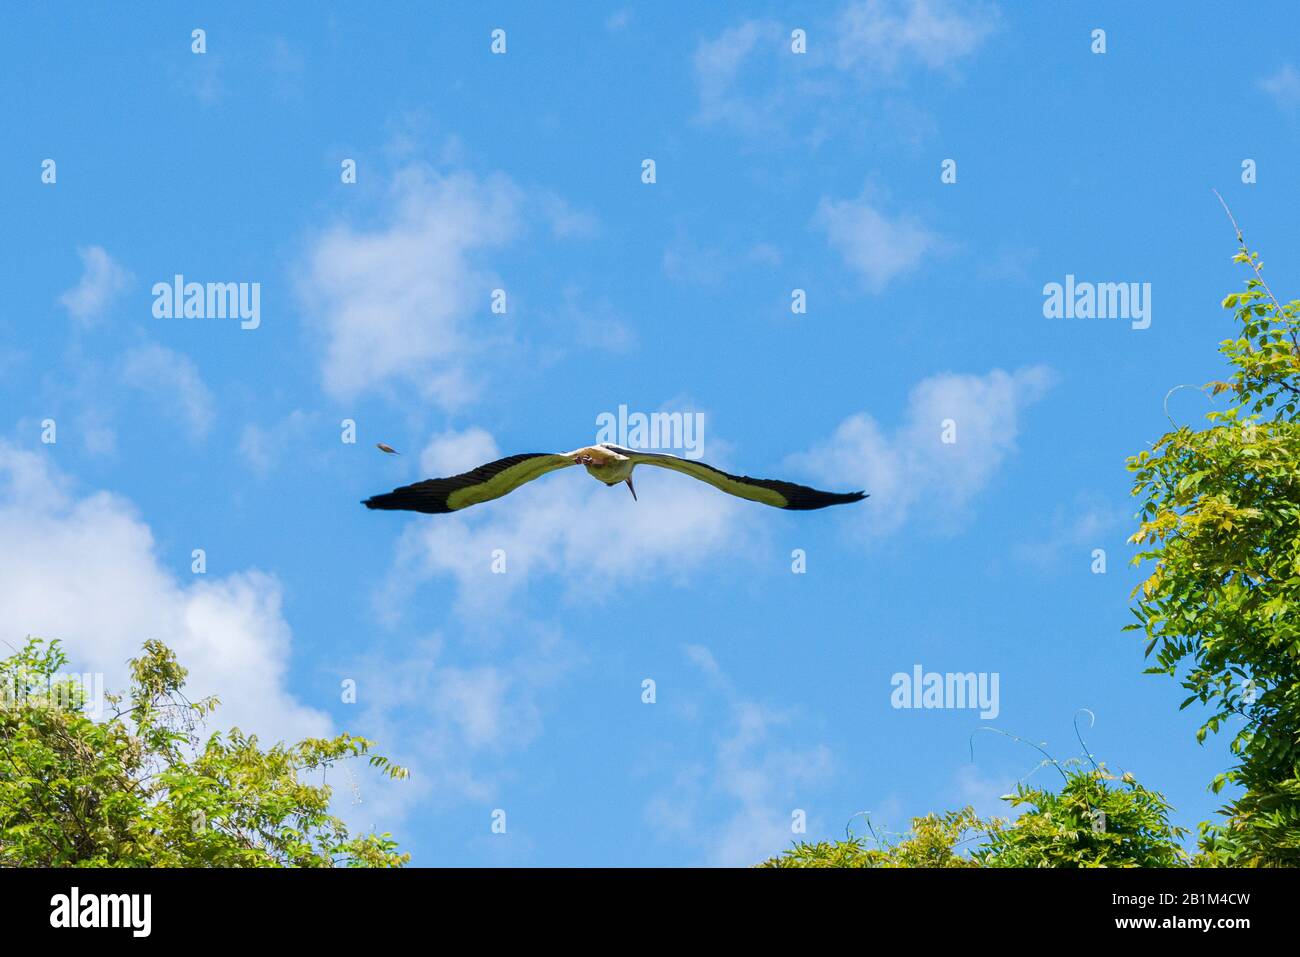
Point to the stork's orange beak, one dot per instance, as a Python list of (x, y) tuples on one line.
[(628, 480)]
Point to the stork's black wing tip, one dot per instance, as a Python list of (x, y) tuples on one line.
[(844, 498), (800, 498)]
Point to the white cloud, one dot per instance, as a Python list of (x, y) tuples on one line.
[(878, 248), (407, 301), (85, 570), (1283, 86), (983, 791), (565, 221), (455, 725), (736, 807), (765, 254), (97, 435), (1073, 532), (101, 280), (718, 64), (590, 318), (204, 76), (887, 36), (913, 464), (686, 262), (262, 447), (173, 380), (11, 358), (472, 699), (450, 453), (748, 78)]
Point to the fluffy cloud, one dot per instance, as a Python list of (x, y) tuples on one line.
[(747, 78), (173, 380), (456, 720), (887, 36), (101, 280), (878, 248), (912, 463), (1088, 522), (718, 63), (262, 447), (1283, 86), (982, 790), (449, 453), (565, 221), (735, 807), (84, 570), (686, 262), (397, 302)]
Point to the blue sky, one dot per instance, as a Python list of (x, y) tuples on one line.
[(522, 171)]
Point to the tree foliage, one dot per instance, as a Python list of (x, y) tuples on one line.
[(141, 787), (1220, 608), (1090, 822), (934, 841)]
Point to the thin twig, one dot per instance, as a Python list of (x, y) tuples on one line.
[(1169, 394), (1083, 744), (1015, 737), (1242, 242)]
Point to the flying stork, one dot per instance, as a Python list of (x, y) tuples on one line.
[(606, 462)]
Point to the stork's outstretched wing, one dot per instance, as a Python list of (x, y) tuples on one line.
[(772, 492), (469, 488)]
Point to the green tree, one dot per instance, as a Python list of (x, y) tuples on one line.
[(1220, 608), (934, 841), (1088, 823), (143, 788)]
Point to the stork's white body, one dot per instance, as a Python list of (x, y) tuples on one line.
[(604, 464)]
